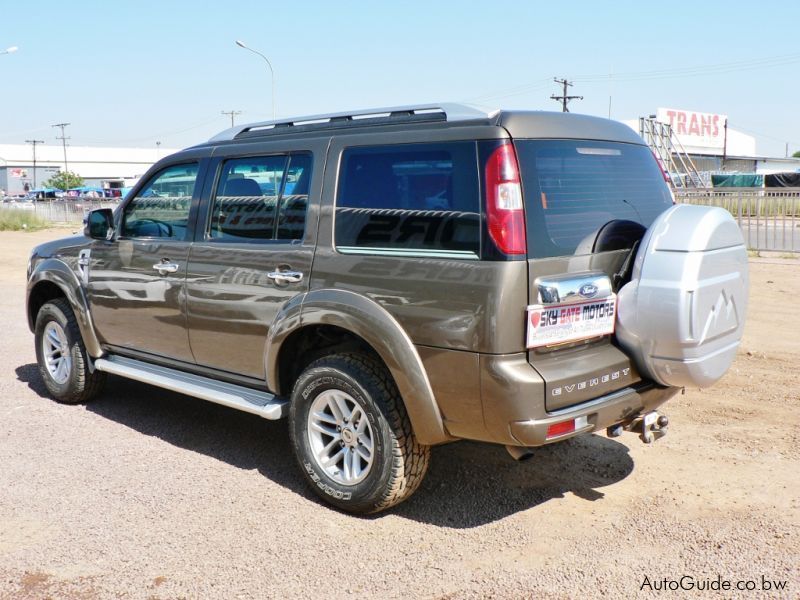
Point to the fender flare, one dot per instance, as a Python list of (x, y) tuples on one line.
[(55, 271), (371, 322)]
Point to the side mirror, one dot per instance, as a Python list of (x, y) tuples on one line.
[(99, 224)]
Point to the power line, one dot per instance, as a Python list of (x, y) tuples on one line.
[(693, 71), (515, 91), (564, 99), (696, 70), (161, 134), (33, 143), (232, 113), (63, 139)]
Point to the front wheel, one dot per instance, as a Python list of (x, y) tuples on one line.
[(62, 357), (352, 436)]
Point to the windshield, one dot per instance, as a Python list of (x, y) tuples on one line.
[(574, 187)]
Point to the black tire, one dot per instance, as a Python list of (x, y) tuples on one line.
[(79, 383), (399, 461)]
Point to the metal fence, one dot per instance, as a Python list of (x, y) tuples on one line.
[(769, 219), (61, 211)]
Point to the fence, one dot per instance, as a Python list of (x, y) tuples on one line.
[(62, 211), (769, 220)]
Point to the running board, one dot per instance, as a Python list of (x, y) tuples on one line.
[(235, 396)]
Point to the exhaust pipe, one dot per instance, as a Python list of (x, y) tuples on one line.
[(520, 453)]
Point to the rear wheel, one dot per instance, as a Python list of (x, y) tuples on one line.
[(62, 357), (352, 436)]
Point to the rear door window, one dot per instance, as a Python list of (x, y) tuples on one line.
[(409, 200), (261, 198), (573, 187)]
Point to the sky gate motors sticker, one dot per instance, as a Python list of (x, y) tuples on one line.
[(558, 323)]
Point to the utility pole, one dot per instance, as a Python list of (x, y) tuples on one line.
[(232, 113), (63, 139), (33, 143), (565, 98), (725, 145)]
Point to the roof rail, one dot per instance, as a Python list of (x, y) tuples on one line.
[(378, 116)]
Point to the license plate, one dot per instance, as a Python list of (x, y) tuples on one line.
[(550, 324)]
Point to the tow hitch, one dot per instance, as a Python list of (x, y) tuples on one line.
[(650, 427)]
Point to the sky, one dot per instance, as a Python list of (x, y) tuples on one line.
[(133, 74)]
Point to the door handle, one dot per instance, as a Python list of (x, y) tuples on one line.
[(285, 276), (165, 267)]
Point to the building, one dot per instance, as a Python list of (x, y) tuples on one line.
[(705, 143), (106, 168)]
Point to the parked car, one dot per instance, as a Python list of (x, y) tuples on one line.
[(393, 279), (25, 204)]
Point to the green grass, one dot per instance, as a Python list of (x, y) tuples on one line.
[(18, 220)]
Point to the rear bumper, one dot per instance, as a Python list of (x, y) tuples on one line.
[(501, 398), (513, 401), (600, 413)]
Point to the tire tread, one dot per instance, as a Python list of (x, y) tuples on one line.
[(410, 459), (87, 383)]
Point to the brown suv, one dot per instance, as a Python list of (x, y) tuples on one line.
[(398, 278)]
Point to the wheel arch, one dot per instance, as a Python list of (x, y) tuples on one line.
[(52, 279), (346, 321)]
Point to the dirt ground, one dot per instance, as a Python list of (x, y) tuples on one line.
[(149, 494)]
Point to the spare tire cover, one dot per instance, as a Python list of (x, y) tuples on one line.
[(681, 317)]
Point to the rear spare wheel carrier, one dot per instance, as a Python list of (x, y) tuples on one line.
[(681, 317)]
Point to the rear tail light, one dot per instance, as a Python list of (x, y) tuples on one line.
[(504, 211), (564, 427)]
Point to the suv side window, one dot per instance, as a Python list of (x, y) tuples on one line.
[(409, 200), (261, 198), (161, 208)]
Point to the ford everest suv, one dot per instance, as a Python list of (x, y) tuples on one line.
[(398, 278)]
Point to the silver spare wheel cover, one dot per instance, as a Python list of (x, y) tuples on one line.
[(681, 317)]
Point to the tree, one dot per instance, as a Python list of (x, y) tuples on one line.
[(796, 154), (64, 180)]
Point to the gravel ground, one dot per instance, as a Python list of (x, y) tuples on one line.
[(149, 494)]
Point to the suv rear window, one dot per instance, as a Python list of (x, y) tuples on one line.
[(574, 187), (409, 200)]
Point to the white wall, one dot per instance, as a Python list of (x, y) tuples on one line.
[(86, 161), (765, 166)]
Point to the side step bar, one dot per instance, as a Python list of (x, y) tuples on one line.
[(242, 398)]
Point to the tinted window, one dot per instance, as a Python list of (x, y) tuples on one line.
[(294, 198), (261, 198), (409, 199), (572, 188), (161, 208)]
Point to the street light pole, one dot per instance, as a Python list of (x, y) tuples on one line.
[(241, 44)]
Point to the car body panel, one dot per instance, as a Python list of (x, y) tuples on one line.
[(372, 323), (231, 300), (60, 271), (133, 305)]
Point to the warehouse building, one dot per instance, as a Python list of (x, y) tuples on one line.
[(107, 168), (699, 149)]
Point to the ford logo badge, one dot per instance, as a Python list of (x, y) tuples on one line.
[(588, 290)]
